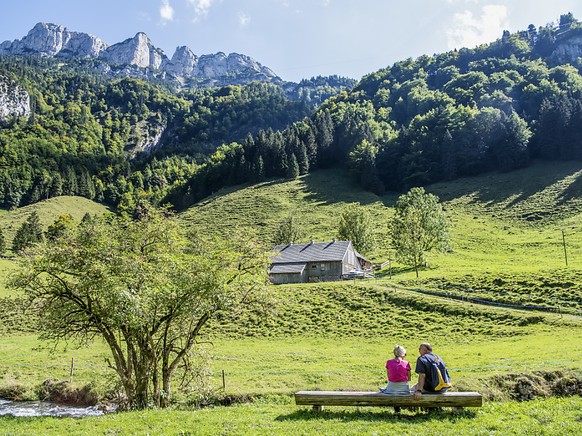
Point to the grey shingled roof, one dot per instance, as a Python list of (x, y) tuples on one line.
[(288, 268), (310, 252)]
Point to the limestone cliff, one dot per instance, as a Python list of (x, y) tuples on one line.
[(47, 39), (138, 51), (14, 101), (138, 57)]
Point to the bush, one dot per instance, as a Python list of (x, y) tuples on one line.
[(13, 391)]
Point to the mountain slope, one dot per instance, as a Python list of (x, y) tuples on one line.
[(491, 216), (48, 211)]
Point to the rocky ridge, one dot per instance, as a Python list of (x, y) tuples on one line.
[(131, 56)]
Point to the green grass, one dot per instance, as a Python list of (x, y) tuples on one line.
[(337, 336), (48, 211), (553, 416), (316, 200), (507, 247), (559, 290)]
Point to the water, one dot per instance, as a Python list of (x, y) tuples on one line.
[(45, 408)]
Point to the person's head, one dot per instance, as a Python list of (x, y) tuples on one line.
[(399, 351), (424, 348)]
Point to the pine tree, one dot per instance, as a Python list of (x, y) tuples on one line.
[(292, 167), (30, 232)]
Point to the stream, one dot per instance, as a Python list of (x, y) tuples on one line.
[(45, 408)]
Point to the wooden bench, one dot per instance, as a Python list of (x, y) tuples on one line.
[(319, 399)]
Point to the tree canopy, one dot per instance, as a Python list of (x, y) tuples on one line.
[(355, 225), (145, 288), (419, 225)]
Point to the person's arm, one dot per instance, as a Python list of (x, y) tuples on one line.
[(419, 386), (387, 374), (409, 375)]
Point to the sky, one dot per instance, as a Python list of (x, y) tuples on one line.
[(295, 38)]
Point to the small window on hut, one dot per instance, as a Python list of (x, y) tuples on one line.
[(313, 266), (323, 266)]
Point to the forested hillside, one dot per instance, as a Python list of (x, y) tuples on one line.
[(461, 113), (435, 118), (121, 140)]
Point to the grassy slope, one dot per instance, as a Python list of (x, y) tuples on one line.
[(497, 224), (506, 226), (337, 336), (48, 211)]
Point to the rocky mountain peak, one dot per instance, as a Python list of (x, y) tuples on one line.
[(47, 39), (130, 57), (138, 51), (183, 62)]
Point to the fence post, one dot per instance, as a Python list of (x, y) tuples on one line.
[(223, 381), (72, 367)]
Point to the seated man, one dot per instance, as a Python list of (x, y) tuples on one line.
[(433, 376)]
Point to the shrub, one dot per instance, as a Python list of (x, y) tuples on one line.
[(13, 391)]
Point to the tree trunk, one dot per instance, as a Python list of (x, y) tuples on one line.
[(166, 387), (141, 400)]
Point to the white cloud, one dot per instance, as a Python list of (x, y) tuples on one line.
[(470, 31), (166, 11), (244, 19), (201, 7)]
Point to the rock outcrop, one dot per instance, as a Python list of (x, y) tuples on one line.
[(47, 39), (14, 101), (568, 49), (132, 56), (183, 63), (138, 51)]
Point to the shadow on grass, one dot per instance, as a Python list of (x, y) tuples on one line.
[(334, 185), (519, 185), (385, 415)]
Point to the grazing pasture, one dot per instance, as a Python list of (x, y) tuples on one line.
[(507, 248)]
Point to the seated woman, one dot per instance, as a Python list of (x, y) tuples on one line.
[(398, 373)]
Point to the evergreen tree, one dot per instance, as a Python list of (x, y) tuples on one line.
[(30, 232), (449, 157), (292, 170)]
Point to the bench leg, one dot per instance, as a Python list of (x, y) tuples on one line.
[(318, 408)]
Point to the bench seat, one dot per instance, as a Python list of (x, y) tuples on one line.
[(318, 399)]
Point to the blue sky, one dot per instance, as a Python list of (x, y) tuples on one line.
[(295, 38)]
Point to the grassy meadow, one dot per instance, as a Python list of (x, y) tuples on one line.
[(507, 248)]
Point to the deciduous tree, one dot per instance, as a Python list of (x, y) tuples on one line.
[(144, 288), (355, 224), (288, 231), (419, 225)]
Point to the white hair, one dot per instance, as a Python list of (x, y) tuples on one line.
[(399, 351)]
